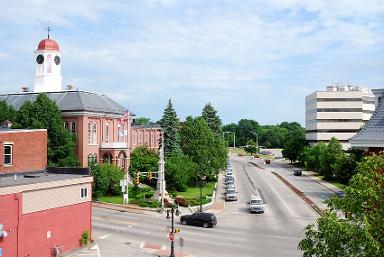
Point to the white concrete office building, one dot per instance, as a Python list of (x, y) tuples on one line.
[(338, 112)]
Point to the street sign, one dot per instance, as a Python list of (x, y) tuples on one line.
[(171, 236)]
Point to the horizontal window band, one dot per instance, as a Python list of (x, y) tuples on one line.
[(332, 131)]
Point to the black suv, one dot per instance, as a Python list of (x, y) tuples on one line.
[(199, 219)]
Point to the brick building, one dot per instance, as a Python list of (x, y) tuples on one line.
[(101, 125), (41, 211)]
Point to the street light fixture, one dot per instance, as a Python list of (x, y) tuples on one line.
[(173, 210), (202, 178), (234, 137)]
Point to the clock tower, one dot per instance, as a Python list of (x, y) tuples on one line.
[(48, 67)]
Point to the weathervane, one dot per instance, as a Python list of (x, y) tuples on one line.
[(48, 29)]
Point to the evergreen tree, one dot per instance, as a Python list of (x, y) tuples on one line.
[(209, 114), (44, 114), (170, 125)]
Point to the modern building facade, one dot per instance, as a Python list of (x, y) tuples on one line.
[(338, 112), (371, 137), (42, 212)]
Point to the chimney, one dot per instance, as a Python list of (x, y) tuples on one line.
[(25, 89), (69, 87)]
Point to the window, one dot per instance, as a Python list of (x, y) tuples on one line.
[(66, 124), (140, 138), (123, 134), (92, 159), (152, 138), (84, 192), (94, 128), (8, 154), (73, 127), (146, 137), (118, 132), (107, 133), (134, 137), (89, 132)]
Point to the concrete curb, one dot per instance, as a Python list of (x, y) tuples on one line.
[(80, 249), (122, 207), (206, 206)]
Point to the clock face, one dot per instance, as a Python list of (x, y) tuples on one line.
[(40, 59), (57, 60)]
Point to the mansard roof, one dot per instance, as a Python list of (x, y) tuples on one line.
[(70, 101), (372, 134)]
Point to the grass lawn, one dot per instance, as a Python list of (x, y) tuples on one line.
[(335, 183), (194, 192), (112, 199), (237, 150)]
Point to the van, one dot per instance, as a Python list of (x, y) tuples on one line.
[(256, 204)]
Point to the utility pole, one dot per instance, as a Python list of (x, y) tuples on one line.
[(161, 180), (173, 210)]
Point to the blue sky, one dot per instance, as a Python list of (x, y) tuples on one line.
[(250, 58)]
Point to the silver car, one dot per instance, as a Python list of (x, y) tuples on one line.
[(230, 195)]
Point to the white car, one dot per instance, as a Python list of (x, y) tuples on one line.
[(256, 204)]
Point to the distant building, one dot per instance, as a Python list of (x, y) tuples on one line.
[(148, 135), (42, 212), (338, 112), (371, 137)]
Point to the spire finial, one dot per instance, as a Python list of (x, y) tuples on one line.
[(48, 29)]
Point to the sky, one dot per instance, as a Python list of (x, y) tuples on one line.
[(251, 59)]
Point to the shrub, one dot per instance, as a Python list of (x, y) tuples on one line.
[(84, 238)]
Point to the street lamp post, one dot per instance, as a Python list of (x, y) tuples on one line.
[(234, 137), (201, 192), (173, 210)]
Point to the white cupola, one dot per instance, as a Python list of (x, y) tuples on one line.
[(48, 67)]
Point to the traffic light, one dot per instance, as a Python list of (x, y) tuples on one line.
[(137, 181), (177, 230), (150, 175)]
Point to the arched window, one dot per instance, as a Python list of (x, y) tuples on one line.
[(107, 133), (146, 138), (134, 137), (121, 158), (66, 124), (140, 138), (90, 159), (89, 132), (152, 138), (94, 131), (123, 133), (107, 158)]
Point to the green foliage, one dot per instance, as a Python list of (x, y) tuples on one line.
[(179, 171), (143, 159), (84, 238), (7, 112), (246, 130), (362, 233), (106, 180), (294, 144), (328, 158), (44, 114), (204, 148), (209, 114), (170, 125), (143, 121), (148, 203)]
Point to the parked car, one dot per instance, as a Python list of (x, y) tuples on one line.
[(256, 204), (229, 179), (204, 219), (229, 173), (297, 172), (230, 195), (230, 186)]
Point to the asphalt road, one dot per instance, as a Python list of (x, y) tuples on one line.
[(238, 233)]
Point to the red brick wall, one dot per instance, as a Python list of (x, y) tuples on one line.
[(66, 225), (29, 151), (9, 215)]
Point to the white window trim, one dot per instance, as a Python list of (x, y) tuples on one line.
[(11, 145)]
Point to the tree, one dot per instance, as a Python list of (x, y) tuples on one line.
[(143, 121), (204, 148), (179, 171), (44, 114), (170, 125), (7, 112), (328, 158), (106, 179), (143, 159), (294, 145), (246, 130), (209, 114), (362, 232)]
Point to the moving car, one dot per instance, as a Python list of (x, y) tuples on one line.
[(297, 172), (230, 195), (204, 219), (256, 204)]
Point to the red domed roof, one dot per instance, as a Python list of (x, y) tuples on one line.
[(48, 44)]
